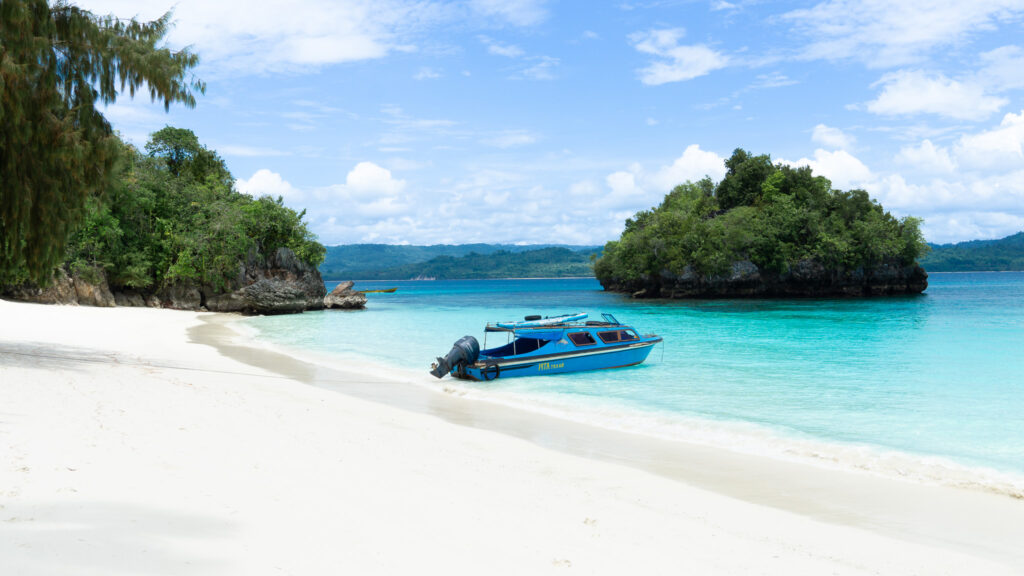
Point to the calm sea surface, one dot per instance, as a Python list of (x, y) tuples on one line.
[(929, 387)]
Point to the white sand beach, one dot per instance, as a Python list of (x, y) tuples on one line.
[(138, 441)]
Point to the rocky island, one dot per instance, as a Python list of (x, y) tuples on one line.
[(765, 230)]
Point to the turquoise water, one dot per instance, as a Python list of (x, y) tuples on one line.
[(928, 387)]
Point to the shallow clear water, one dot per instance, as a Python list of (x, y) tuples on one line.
[(929, 386)]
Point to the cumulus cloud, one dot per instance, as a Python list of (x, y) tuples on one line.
[(368, 180), (842, 168), (267, 183), (693, 165), (915, 92), (1001, 147), (677, 63), (926, 157), (831, 137)]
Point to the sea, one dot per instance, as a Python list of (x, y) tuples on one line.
[(929, 388)]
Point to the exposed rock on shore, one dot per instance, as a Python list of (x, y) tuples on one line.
[(280, 284), (807, 278), (65, 289), (343, 296)]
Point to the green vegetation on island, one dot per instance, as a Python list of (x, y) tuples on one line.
[(764, 223), (539, 263), (1005, 254), (463, 261), (173, 216), (57, 151), (75, 199)]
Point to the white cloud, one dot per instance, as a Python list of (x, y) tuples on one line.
[(678, 63), (584, 188), (927, 158), (914, 92), (368, 180), (844, 169), (499, 49), (267, 183), (369, 196), (515, 12), (623, 184), (831, 137), (1001, 147), (692, 166), (542, 70), (264, 37), (1001, 68), (888, 33)]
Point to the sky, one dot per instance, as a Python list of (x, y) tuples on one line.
[(552, 121)]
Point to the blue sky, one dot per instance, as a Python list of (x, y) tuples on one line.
[(545, 121)]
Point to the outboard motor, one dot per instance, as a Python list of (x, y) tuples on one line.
[(464, 352)]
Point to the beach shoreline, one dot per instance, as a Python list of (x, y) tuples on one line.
[(270, 457)]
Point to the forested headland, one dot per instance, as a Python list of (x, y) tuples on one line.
[(171, 224), (82, 213), (765, 230), (461, 261), (1002, 255)]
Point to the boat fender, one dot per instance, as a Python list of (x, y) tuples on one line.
[(532, 317), (487, 370)]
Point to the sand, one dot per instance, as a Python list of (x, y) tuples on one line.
[(140, 441)]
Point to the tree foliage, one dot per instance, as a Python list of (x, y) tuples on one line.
[(173, 216), (1004, 254), (57, 151), (770, 214), (550, 262)]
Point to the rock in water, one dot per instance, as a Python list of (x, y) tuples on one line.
[(343, 296)]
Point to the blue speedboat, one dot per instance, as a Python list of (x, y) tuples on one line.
[(552, 345)]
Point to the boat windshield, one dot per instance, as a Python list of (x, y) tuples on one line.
[(516, 347)]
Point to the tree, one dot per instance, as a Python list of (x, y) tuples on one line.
[(56, 150)]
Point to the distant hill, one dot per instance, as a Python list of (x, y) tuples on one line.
[(977, 255), (393, 262)]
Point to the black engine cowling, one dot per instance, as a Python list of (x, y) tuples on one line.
[(464, 352)]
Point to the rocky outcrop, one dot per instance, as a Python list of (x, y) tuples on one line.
[(805, 278), (280, 284), (64, 288), (343, 296)]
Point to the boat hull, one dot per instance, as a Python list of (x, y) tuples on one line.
[(487, 368)]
